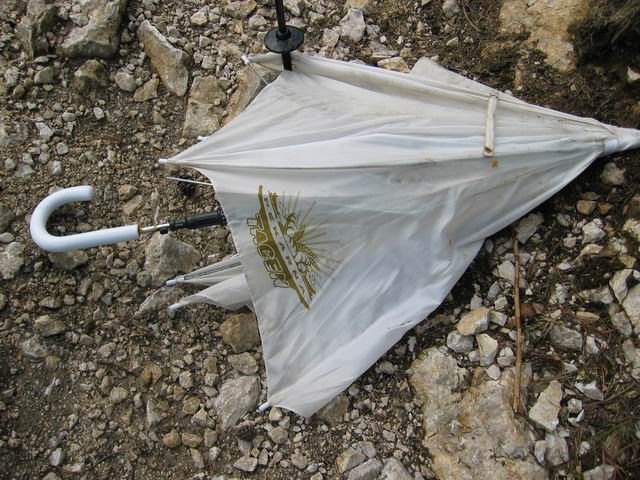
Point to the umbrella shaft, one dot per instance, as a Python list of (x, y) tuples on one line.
[(200, 220)]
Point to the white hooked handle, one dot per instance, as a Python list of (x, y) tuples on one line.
[(50, 243)]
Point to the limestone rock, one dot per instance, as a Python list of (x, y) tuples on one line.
[(32, 348), (631, 306), (612, 175), (564, 337), (548, 24), (68, 260), (348, 460), (279, 435), (487, 349), (159, 299), (394, 470), (165, 256), (249, 85), (236, 398), (632, 356), (170, 62), (601, 472), (171, 439), (528, 226), (244, 363), (622, 324), (191, 440), (239, 9), (557, 451), (333, 412), (89, 79), (493, 437), (44, 76), (618, 283), (200, 120), (48, 327), (30, 32), (100, 36), (592, 232), (118, 395), (395, 63), (368, 470), (437, 380), (475, 321), (246, 464), (126, 81), (367, 6), (459, 343), (147, 91), (240, 332), (11, 260), (352, 26), (545, 411)]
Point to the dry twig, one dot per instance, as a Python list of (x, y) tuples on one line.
[(519, 342)]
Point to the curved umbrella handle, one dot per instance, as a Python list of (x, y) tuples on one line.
[(50, 243)]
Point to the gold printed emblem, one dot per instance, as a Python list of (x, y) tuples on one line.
[(291, 251)]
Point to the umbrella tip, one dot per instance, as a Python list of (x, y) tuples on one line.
[(263, 407), (171, 283), (163, 161), (174, 307)]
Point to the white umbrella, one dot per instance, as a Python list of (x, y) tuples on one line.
[(357, 197)]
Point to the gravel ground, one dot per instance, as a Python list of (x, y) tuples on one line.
[(97, 380)]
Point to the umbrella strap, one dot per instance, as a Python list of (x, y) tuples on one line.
[(489, 137)]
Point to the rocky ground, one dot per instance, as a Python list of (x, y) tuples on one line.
[(98, 381)]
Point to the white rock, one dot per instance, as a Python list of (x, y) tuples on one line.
[(506, 357), (450, 8), (394, 470), (236, 398), (507, 271), (246, 464), (349, 459), (170, 62), (545, 411), (592, 232), (539, 451), (11, 260), (601, 472), (557, 449), (368, 470), (631, 306), (498, 318), (612, 175), (352, 26), (590, 346), (574, 406), (494, 372), (528, 226), (622, 324), (487, 349), (566, 338), (632, 355), (598, 295), (475, 321), (590, 390), (126, 81), (459, 343)]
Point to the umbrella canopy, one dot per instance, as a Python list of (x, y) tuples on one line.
[(357, 197)]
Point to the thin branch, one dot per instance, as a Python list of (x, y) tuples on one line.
[(516, 299)]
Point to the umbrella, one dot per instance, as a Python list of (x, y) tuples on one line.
[(357, 197)]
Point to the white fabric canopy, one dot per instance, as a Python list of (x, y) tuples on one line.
[(357, 197)]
